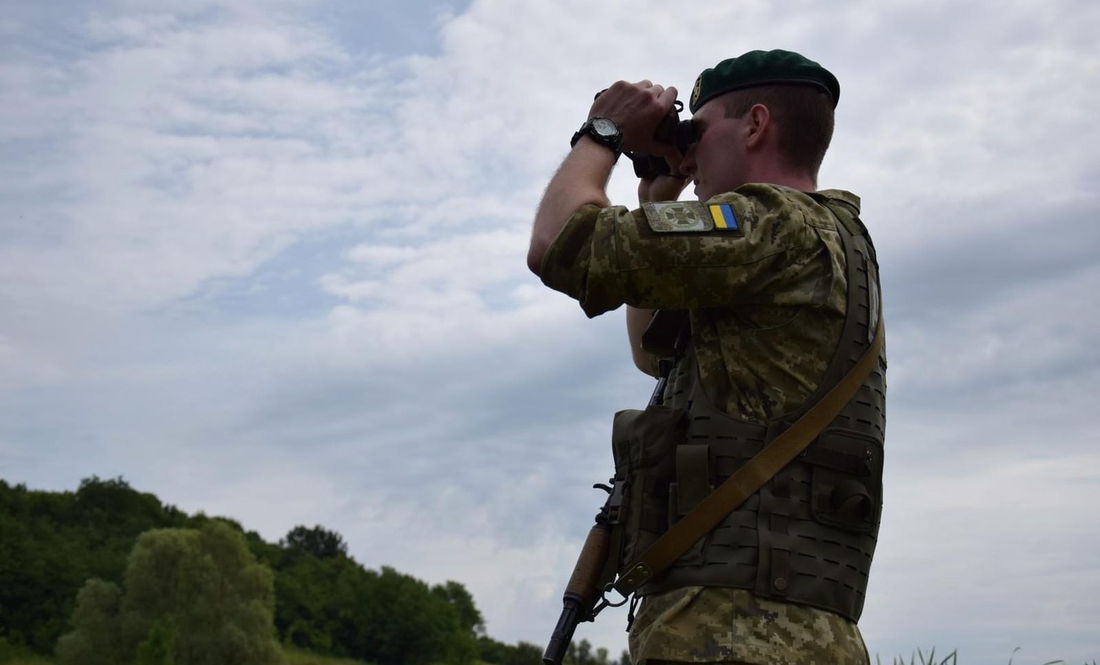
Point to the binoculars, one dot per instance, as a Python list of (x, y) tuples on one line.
[(680, 134), (672, 131)]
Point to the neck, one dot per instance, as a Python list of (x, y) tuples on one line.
[(774, 173)]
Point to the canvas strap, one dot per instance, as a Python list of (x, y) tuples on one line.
[(755, 473)]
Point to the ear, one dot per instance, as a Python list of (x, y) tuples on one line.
[(757, 126)]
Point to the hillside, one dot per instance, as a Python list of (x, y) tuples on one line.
[(326, 603)]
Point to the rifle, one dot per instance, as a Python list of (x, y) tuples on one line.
[(597, 566), (595, 570)]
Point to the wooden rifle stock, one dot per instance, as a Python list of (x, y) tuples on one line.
[(582, 592), (594, 572)]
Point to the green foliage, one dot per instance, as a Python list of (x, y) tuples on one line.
[(8, 651), (498, 653), (207, 583), (14, 654), (293, 656), (97, 640), (580, 653), (335, 606), (469, 618), (159, 646), (318, 541), (51, 542), (190, 597), (56, 544)]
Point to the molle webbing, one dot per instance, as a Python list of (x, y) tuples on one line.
[(808, 535)]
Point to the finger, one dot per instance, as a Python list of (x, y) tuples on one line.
[(674, 162), (667, 96), (644, 83)]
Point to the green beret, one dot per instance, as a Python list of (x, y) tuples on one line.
[(761, 68)]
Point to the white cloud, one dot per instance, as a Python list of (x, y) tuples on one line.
[(158, 166), (992, 552)]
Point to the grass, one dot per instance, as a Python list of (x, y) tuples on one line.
[(292, 656), (919, 659), (951, 659), (298, 657)]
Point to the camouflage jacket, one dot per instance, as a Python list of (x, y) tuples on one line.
[(761, 271)]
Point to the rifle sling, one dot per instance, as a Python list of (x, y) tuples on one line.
[(755, 473)]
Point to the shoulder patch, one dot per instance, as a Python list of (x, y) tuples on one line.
[(690, 217)]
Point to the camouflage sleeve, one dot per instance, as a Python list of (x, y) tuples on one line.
[(674, 256)]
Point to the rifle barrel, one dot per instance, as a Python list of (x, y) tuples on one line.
[(572, 613)]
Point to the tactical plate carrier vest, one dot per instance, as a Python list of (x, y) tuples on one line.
[(809, 534)]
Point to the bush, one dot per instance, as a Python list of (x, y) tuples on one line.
[(96, 641), (190, 597)]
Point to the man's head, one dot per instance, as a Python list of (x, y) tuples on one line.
[(763, 116)]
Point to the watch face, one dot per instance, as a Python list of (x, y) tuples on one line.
[(604, 127)]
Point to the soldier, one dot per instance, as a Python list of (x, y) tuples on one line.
[(777, 286)]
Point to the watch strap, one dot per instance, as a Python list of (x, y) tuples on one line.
[(614, 143)]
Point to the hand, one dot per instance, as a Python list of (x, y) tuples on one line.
[(637, 109), (663, 187)]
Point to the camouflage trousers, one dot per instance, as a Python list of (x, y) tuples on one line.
[(715, 625)]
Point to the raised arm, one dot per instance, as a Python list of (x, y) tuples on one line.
[(580, 180), (636, 108)]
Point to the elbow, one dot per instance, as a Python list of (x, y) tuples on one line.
[(536, 252), (646, 362), (534, 260)]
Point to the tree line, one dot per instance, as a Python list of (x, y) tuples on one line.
[(108, 574)]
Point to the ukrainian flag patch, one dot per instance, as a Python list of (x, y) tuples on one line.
[(724, 217), (690, 217)]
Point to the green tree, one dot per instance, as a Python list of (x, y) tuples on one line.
[(469, 618), (498, 653), (318, 541), (335, 606), (51, 543), (409, 625), (190, 597), (219, 600), (97, 639), (580, 653)]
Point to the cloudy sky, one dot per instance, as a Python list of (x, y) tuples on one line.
[(266, 259)]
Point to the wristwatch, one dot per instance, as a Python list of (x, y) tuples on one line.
[(603, 131)]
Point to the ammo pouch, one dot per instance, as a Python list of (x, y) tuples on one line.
[(846, 484), (644, 445)]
